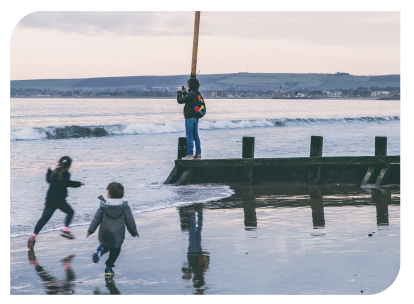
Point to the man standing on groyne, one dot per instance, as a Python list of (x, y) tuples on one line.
[(191, 121)]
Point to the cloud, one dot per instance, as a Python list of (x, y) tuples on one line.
[(358, 29), (111, 23), (325, 28)]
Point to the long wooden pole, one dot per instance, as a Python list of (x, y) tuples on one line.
[(195, 45)]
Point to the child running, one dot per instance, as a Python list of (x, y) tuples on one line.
[(59, 180), (113, 215)]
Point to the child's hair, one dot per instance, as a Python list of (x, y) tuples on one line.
[(193, 84), (63, 166), (115, 190)]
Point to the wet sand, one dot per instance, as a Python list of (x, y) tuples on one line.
[(254, 243)]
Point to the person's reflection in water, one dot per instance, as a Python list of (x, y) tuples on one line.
[(53, 285), (110, 284), (198, 260)]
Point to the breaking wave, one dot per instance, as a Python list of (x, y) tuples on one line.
[(175, 127)]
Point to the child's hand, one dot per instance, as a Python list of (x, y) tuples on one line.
[(137, 235), (87, 234), (82, 183)]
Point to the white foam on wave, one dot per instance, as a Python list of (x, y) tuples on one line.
[(228, 124), (228, 192), (169, 127), (27, 134), (175, 127)]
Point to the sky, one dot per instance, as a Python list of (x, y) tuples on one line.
[(85, 44)]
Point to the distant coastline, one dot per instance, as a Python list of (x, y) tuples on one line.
[(221, 86), (207, 98)]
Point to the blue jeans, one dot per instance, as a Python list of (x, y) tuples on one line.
[(191, 131)]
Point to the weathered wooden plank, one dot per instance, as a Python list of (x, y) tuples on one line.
[(367, 175), (316, 146), (248, 147), (314, 174), (247, 175), (339, 160), (172, 177), (182, 147), (380, 146), (185, 177), (383, 175)]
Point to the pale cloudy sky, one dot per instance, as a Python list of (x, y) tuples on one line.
[(102, 44)]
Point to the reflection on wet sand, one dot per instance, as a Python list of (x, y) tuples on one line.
[(249, 208), (191, 220), (53, 285), (381, 198), (66, 286), (252, 202), (110, 284), (251, 197), (316, 202)]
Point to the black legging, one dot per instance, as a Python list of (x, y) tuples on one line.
[(50, 208), (113, 255)]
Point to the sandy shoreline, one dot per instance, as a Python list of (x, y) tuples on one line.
[(245, 249)]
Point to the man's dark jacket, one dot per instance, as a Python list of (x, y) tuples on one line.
[(190, 100)]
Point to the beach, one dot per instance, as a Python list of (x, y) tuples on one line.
[(262, 243), (214, 239)]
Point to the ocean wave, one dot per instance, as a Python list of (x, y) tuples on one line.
[(67, 132)]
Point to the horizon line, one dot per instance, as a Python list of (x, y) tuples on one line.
[(33, 79)]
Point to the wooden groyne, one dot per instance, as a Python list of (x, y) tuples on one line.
[(366, 171)]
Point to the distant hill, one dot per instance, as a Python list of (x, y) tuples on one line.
[(215, 81)]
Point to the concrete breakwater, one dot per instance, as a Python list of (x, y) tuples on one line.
[(375, 171)]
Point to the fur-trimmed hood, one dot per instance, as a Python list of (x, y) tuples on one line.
[(112, 217), (113, 207)]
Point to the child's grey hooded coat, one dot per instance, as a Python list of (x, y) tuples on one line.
[(113, 219)]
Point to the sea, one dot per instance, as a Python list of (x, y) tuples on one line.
[(134, 142)]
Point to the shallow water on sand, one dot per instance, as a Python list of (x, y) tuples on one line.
[(323, 240)]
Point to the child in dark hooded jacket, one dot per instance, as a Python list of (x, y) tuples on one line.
[(112, 216)]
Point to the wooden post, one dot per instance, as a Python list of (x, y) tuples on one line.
[(195, 45), (316, 146), (182, 147), (248, 147), (380, 146), (247, 152), (314, 174)]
